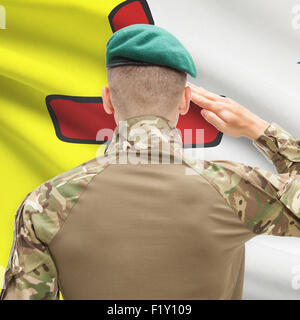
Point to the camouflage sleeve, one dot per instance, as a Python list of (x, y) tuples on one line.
[(281, 148), (266, 203), (31, 273)]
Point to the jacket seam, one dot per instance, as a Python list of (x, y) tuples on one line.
[(203, 176), (234, 211), (70, 211), (59, 283)]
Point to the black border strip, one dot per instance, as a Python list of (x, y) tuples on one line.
[(210, 144), (60, 136), (123, 4)]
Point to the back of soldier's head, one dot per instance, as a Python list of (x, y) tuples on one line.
[(138, 90)]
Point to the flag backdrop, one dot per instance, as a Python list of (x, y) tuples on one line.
[(52, 69)]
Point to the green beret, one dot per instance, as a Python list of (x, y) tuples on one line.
[(145, 44)]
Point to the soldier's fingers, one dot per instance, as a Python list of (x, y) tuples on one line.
[(207, 94), (204, 102), (203, 92), (228, 116), (213, 119)]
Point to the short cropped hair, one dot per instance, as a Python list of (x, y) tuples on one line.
[(139, 90)]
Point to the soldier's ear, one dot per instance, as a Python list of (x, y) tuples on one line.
[(107, 105), (185, 101)]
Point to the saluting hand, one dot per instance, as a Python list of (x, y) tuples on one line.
[(227, 115)]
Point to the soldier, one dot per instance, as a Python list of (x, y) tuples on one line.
[(141, 229)]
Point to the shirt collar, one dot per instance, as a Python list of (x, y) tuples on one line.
[(145, 132)]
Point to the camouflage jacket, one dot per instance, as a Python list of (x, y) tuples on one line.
[(266, 203)]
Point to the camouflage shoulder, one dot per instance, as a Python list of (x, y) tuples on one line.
[(253, 194), (31, 272), (49, 204)]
